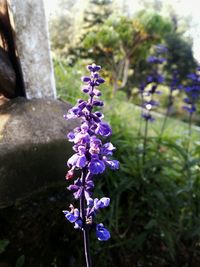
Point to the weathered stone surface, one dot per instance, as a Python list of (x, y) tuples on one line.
[(33, 148), (32, 42)]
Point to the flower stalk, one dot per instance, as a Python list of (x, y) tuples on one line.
[(148, 90)]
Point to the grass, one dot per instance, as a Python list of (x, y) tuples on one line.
[(129, 116)]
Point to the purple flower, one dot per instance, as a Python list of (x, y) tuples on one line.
[(155, 60), (95, 145), (103, 129), (113, 164), (190, 109), (93, 68), (102, 203), (86, 79), (102, 233), (96, 166), (193, 92), (107, 149), (71, 216), (161, 49), (78, 224), (71, 136), (92, 155), (148, 117), (77, 160), (150, 87)]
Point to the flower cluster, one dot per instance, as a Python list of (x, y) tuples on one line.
[(91, 156), (174, 85), (193, 92), (150, 87)]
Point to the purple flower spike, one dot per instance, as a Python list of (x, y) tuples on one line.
[(92, 156), (193, 92), (150, 87)]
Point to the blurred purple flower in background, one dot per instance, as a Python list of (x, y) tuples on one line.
[(149, 87), (192, 91)]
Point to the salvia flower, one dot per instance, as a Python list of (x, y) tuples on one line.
[(92, 156), (102, 233), (149, 87), (192, 92)]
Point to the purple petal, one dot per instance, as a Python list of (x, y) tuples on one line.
[(86, 79), (103, 129), (82, 137), (97, 103), (81, 162), (99, 81), (71, 217), (97, 68), (78, 193), (77, 161), (90, 201), (113, 164), (102, 203), (84, 127), (81, 150), (78, 224), (107, 149), (73, 187), (96, 166), (99, 114), (105, 201), (85, 89), (102, 233), (93, 67)]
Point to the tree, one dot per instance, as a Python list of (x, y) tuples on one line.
[(121, 41), (63, 26), (97, 12)]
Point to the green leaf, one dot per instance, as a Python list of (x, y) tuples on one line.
[(150, 224), (20, 261), (3, 244)]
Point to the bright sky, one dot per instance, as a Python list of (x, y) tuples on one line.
[(190, 7), (182, 7)]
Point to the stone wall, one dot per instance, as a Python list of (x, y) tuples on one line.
[(33, 147)]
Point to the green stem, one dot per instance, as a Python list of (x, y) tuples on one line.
[(166, 116), (140, 122), (145, 141), (189, 133)]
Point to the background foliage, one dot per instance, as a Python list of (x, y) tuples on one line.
[(154, 214)]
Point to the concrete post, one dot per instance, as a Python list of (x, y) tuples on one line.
[(32, 42)]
